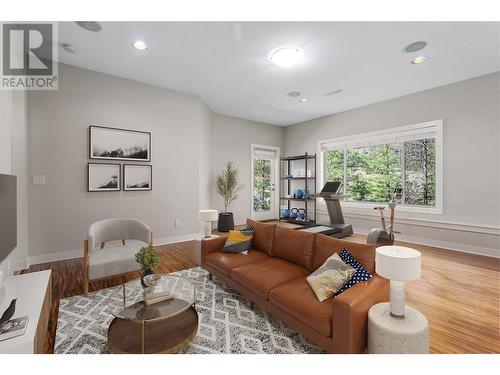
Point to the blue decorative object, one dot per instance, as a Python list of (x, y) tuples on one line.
[(294, 212), (299, 193), (285, 213), (361, 273), (301, 214)]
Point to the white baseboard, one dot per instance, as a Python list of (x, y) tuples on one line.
[(18, 265), (73, 254), (454, 246)]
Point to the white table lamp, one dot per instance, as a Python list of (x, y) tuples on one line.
[(398, 264), (207, 216)]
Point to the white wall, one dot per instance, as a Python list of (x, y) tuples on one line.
[(13, 161), (231, 141), (470, 110), (62, 210)]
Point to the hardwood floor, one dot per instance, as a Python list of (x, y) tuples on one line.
[(458, 293)]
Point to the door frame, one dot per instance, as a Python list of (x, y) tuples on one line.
[(277, 172)]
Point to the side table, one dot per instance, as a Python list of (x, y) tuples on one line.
[(390, 335)]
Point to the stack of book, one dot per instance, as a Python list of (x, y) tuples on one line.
[(155, 295)]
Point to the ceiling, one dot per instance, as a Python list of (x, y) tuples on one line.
[(226, 64)]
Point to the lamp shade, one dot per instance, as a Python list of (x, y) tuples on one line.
[(208, 215), (398, 263)]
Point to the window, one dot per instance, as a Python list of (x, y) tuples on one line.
[(372, 165)]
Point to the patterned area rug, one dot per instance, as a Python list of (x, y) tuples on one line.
[(227, 324)]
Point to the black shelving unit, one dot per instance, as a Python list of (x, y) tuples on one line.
[(308, 183)]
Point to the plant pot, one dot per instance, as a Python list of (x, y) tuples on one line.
[(226, 222), (145, 273)]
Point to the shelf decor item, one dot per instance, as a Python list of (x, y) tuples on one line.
[(299, 193), (285, 213), (228, 188), (119, 144), (207, 216), (148, 259)]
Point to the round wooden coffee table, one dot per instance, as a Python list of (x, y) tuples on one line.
[(163, 327)]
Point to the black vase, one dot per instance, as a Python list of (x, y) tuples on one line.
[(226, 222), (144, 274)]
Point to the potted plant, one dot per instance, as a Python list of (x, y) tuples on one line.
[(228, 188), (148, 259)]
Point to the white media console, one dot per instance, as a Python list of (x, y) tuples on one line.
[(34, 299)]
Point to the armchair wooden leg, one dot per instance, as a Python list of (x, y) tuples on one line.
[(85, 268), (123, 242)]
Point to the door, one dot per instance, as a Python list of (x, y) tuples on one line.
[(265, 161)]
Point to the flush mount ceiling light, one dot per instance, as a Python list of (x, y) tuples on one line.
[(140, 45), (89, 25), (415, 46), (419, 60), (294, 94), (286, 56), (303, 100)]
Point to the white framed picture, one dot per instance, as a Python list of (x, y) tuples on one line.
[(119, 144), (137, 177), (103, 177)]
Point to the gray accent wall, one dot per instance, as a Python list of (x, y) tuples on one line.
[(231, 141), (470, 112), (62, 209)]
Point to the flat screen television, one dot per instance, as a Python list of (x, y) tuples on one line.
[(8, 215)]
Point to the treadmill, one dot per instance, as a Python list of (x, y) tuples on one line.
[(336, 227)]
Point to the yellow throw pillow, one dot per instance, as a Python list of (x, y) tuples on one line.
[(238, 242), (330, 277)]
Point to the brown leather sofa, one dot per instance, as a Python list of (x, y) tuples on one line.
[(273, 275)]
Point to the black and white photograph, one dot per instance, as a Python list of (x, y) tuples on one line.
[(137, 177), (103, 177), (119, 144)]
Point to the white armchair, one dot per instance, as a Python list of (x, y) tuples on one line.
[(100, 261)]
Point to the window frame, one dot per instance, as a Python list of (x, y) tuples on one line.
[(384, 136)]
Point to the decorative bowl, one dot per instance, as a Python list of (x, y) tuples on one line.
[(151, 280)]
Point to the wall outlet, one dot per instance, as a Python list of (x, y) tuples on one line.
[(177, 223), (38, 180)]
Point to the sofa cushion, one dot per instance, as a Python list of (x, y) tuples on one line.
[(114, 260), (261, 277), (225, 262), (263, 235), (294, 246), (325, 247), (297, 299)]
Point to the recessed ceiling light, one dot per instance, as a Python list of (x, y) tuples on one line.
[(140, 45), (334, 92), (90, 25), (303, 100), (419, 60), (415, 46), (286, 56), (294, 94), (68, 47)]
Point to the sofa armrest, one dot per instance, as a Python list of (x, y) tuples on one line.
[(350, 314), (210, 246)]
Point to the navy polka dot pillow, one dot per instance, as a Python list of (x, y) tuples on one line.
[(361, 273)]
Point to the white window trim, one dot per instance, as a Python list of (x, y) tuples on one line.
[(377, 137)]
